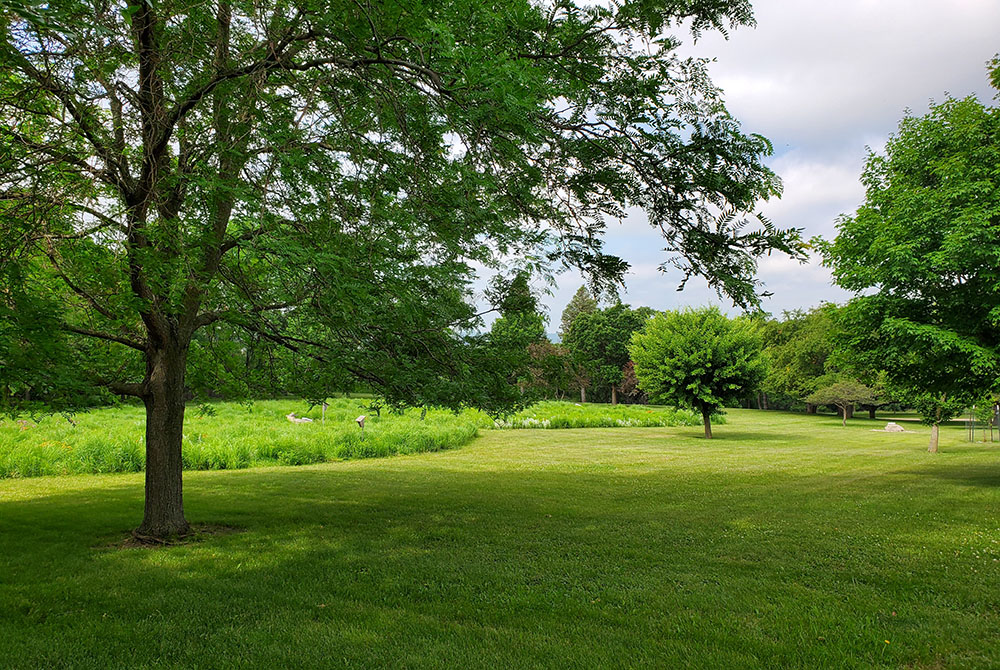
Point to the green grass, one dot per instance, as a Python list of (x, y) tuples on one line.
[(784, 542), (111, 440), (234, 437)]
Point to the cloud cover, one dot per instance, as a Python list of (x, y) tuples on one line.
[(822, 81)]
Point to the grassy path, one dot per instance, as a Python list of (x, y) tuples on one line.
[(785, 542)]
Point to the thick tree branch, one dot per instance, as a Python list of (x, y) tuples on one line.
[(138, 346), (123, 388)]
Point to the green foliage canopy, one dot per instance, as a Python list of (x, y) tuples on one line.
[(582, 302), (325, 178), (798, 348), (922, 252), (599, 341)]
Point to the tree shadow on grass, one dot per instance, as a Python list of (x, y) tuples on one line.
[(423, 564), (758, 437), (970, 475)]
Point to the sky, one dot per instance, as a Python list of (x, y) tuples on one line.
[(822, 80)]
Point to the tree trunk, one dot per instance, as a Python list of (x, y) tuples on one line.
[(706, 414), (583, 394), (163, 516), (843, 415), (871, 412), (934, 439), (810, 408), (614, 395), (849, 412), (764, 395)]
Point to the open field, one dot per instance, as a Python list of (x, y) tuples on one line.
[(785, 542), (233, 436)]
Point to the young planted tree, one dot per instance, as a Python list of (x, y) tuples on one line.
[(324, 177), (922, 255), (935, 410), (698, 358)]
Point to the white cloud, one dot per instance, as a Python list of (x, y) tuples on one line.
[(822, 80), (817, 73)]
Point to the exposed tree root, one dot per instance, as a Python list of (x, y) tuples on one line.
[(197, 533)]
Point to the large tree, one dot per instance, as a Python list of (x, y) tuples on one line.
[(325, 176), (582, 302), (599, 340), (798, 348), (922, 253), (699, 358), (518, 330)]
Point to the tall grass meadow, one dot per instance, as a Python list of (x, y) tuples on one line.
[(225, 436)]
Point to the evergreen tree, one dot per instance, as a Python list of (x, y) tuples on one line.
[(582, 302)]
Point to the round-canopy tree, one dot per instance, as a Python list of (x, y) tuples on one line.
[(923, 251), (324, 177), (698, 358)]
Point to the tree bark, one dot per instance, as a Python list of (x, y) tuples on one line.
[(583, 394), (163, 516), (614, 395), (842, 409), (871, 412), (934, 439), (706, 414), (810, 408)]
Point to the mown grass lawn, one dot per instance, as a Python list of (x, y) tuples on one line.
[(785, 542)]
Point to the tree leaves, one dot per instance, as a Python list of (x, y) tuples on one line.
[(922, 252), (698, 358), (325, 177)]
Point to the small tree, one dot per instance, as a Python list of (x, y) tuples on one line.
[(844, 394), (935, 410), (698, 358)]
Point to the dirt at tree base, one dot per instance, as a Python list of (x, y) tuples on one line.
[(199, 533)]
